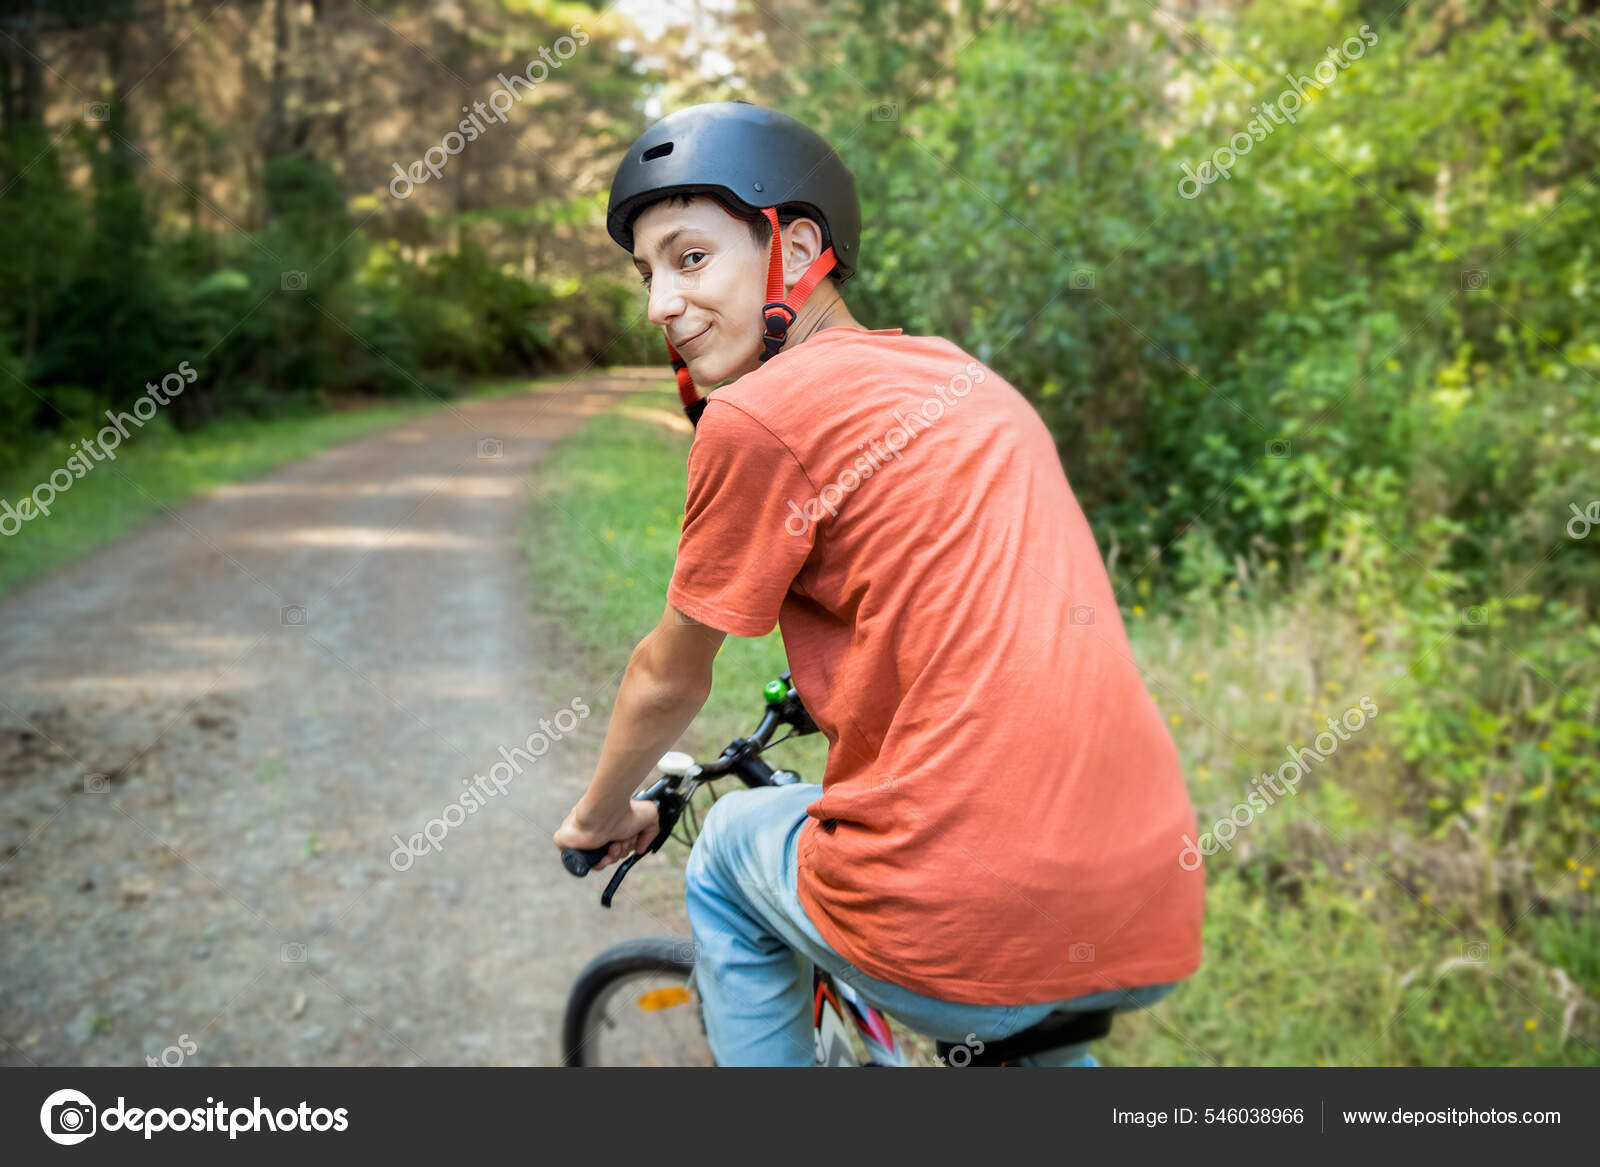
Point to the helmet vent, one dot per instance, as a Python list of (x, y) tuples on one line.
[(655, 152)]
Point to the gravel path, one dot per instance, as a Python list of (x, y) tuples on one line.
[(211, 730)]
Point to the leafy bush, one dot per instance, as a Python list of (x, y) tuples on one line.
[(1300, 341)]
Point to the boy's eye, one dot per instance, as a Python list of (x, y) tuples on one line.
[(689, 259)]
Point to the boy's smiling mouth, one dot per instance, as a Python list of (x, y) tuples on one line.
[(680, 345)]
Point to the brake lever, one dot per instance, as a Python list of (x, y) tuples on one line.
[(616, 880), (669, 807)]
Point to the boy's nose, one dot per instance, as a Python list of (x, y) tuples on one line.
[(666, 302)]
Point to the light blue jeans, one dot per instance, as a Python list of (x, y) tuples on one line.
[(754, 946)]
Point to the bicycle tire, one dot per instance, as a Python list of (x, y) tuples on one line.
[(667, 955)]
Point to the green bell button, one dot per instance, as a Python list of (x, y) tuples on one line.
[(775, 692)]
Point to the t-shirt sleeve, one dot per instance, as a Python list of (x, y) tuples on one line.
[(744, 534)]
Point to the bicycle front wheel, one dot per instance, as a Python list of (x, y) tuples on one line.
[(636, 1005)]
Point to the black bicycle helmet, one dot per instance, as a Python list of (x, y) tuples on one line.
[(755, 160)]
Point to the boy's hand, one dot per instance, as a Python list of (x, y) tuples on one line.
[(633, 829)]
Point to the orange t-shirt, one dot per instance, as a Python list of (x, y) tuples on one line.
[(1003, 811)]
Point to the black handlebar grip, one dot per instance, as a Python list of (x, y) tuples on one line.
[(579, 862)]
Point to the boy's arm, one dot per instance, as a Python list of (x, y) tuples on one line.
[(667, 680)]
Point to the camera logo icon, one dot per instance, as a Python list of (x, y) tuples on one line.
[(294, 281), (96, 111), (490, 449), (1474, 280), (886, 111), (1080, 614), (1081, 279), (292, 616), (68, 1117), (1081, 953), (96, 783), (292, 953), (1475, 951)]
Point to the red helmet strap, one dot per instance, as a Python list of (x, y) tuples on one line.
[(776, 315)]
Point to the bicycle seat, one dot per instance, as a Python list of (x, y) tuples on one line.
[(1062, 1028)]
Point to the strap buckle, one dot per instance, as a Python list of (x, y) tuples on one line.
[(777, 316)]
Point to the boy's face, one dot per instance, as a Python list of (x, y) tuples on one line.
[(707, 281)]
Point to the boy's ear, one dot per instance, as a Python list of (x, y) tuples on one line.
[(803, 243)]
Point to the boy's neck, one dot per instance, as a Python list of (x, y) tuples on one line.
[(824, 308)]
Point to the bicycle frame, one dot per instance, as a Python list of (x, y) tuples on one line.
[(831, 1001)]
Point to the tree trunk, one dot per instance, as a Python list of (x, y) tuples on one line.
[(276, 141)]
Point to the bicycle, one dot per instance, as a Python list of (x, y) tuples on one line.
[(638, 996)]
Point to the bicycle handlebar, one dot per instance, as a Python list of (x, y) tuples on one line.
[(739, 758), (581, 862)]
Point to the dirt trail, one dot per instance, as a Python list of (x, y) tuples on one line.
[(210, 730)]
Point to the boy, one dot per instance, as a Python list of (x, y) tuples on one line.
[(998, 830)]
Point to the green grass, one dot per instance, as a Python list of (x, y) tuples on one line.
[(167, 467), (1334, 934)]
